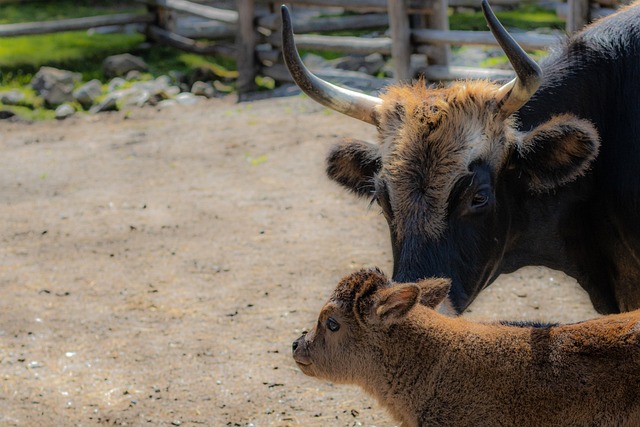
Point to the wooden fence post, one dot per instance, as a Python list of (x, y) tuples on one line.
[(439, 55), (400, 39), (165, 19), (577, 15), (246, 46)]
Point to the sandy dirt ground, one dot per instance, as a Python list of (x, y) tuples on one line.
[(156, 266)]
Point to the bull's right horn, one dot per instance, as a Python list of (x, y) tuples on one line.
[(349, 102), (517, 92)]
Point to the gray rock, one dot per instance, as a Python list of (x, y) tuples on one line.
[(163, 81), (54, 85), (172, 91), (203, 89), (87, 94), (120, 65), (115, 84), (167, 103), (133, 75), (312, 61), (109, 103), (187, 98), (12, 97), (64, 111), (133, 98), (370, 64)]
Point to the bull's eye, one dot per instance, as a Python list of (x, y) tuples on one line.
[(332, 324), (481, 198)]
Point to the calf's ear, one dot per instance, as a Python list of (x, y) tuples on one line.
[(556, 152), (353, 163), (434, 291), (392, 304)]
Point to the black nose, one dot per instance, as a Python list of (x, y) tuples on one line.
[(294, 345)]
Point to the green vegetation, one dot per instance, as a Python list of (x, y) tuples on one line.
[(526, 17), (21, 57), (83, 52), (35, 11)]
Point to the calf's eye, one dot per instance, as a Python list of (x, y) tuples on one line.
[(332, 324)]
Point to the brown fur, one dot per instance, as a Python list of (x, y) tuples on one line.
[(429, 138), (432, 370), (548, 167)]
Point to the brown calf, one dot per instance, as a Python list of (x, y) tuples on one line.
[(432, 370)]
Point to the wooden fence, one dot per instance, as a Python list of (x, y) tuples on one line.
[(250, 33)]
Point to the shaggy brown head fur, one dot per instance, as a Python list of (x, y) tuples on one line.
[(429, 138), (432, 370)]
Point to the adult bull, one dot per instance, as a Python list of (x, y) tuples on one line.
[(478, 179)]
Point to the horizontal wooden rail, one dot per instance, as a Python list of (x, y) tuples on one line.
[(208, 12), (441, 37), (183, 43), (562, 10), (338, 23), (46, 27), (444, 72), (356, 45), (414, 6)]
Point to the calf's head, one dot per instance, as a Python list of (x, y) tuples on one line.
[(451, 164), (349, 333)]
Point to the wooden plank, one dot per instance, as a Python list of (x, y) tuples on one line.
[(438, 37), (183, 43), (212, 30), (203, 11), (578, 15), (46, 27), (439, 20), (400, 39), (353, 79), (356, 45), (445, 73), (246, 45), (303, 25), (414, 6), (562, 10), (475, 4)]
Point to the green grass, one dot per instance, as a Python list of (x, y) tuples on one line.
[(21, 57), (35, 11), (526, 17), (81, 51)]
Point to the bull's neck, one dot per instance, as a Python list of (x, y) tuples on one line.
[(542, 226)]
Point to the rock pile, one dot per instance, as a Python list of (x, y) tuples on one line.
[(129, 86)]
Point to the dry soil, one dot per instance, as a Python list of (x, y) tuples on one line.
[(155, 267)]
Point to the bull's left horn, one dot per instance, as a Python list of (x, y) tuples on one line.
[(349, 102), (517, 92)]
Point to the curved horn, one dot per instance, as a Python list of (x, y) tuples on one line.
[(349, 102), (517, 92)]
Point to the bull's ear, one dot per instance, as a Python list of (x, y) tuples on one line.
[(392, 304), (434, 291), (557, 152), (353, 164)]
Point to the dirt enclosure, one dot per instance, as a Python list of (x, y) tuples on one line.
[(156, 266)]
